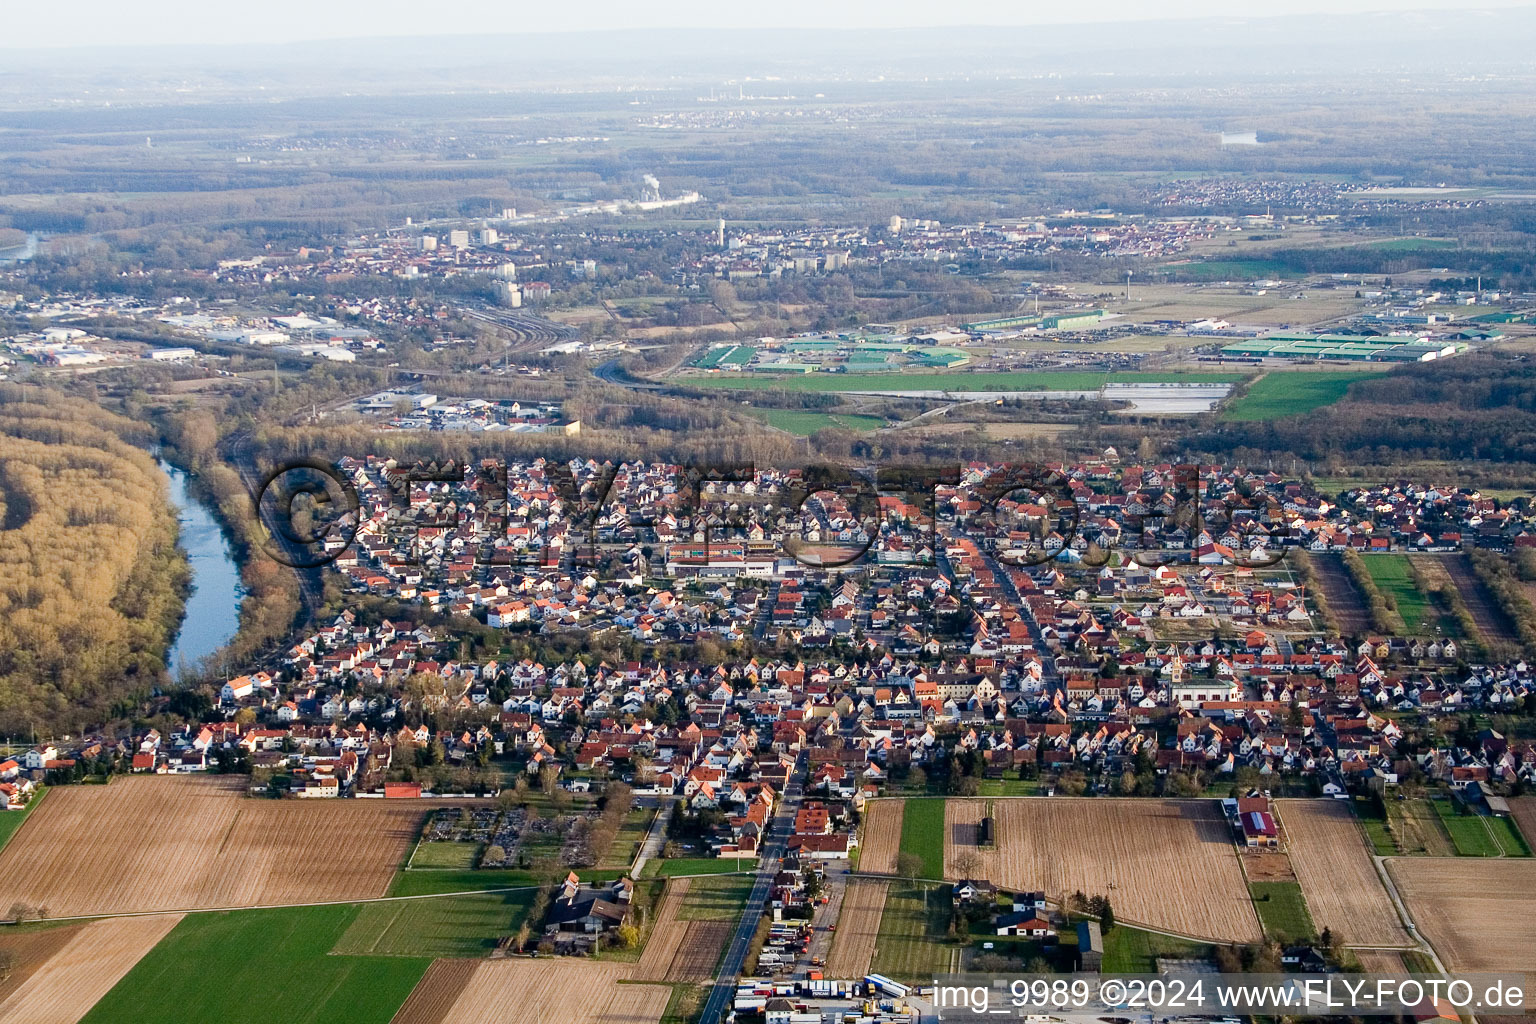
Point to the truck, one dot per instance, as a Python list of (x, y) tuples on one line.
[(880, 983)]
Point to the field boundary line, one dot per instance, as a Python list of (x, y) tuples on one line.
[(332, 903)]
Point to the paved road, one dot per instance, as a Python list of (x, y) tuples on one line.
[(724, 993), (656, 837)]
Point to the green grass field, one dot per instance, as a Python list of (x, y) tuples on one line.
[(256, 966), (626, 845), (922, 833), (446, 855), (1130, 950), (910, 945), (1394, 576), (1471, 837), (1282, 911), (1376, 830), (461, 926), (716, 899), (1476, 835), (658, 868), (10, 821), (1291, 392), (429, 881), (803, 423), (1010, 787), (1024, 380)]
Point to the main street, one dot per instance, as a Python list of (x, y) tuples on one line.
[(724, 992)]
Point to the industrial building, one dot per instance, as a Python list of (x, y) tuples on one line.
[(1072, 320), (1345, 347)]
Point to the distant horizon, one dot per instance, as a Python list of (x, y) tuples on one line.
[(162, 24)]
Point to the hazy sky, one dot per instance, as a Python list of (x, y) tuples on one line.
[(30, 23)]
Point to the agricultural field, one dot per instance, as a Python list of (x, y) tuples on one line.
[(1291, 393), (1477, 835), (1492, 623), (804, 423), (922, 833), (1103, 846), (29, 947), (882, 836), (198, 842), (1282, 911), (529, 991), (1345, 601), (909, 945), (257, 966), (452, 926), (681, 950), (674, 866), (10, 821), (1394, 577), (1131, 950), (68, 983), (858, 925), (1022, 380), (1480, 915), (1523, 810), (1416, 828), (431, 881), (435, 994), (1336, 873), (715, 898)]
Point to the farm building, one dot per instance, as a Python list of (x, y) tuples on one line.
[(1090, 946), (1028, 923)]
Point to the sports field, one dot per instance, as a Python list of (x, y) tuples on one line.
[(1282, 393)]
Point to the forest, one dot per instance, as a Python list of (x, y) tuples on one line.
[(92, 583)]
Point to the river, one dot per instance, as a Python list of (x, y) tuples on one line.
[(213, 607)]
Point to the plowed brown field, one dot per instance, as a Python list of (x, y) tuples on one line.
[(853, 947), (882, 836), (148, 843), (1523, 810), (96, 957), (535, 992), (1168, 864), (434, 995), (1479, 914), (667, 934), (1331, 861), (31, 948)]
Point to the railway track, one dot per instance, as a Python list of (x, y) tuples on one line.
[(526, 329)]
